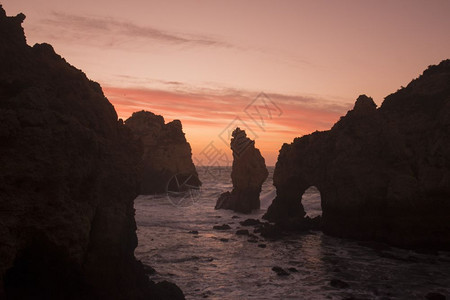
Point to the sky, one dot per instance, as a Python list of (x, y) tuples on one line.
[(278, 69)]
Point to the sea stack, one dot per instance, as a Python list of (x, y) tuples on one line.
[(383, 174), (68, 179), (248, 174), (166, 153)]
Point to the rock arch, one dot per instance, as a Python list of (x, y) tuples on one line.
[(383, 173), (312, 202)]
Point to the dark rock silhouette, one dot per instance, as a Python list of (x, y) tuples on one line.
[(248, 174), (166, 152), (242, 232), (250, 222), (222, 227), (337, 283), (280, 271), (68, 179), (383, 174)]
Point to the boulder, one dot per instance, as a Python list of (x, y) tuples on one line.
[(242, 232), (166, 153), (280, 271), (383, 174), (222, 227), (248, 174), (68, 178), (250, 222)]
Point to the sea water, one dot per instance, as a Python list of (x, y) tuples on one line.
[(222, 265)]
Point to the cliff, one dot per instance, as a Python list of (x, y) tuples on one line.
[(248, 173), (166, 152), (68, 179), (383, 174)]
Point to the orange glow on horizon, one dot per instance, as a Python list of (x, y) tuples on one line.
[(207, 118), (203, 62)]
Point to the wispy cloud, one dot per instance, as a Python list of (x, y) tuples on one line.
[(217, 108), (205, 114), (103, 31)]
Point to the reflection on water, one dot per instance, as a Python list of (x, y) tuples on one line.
[(222, 265)]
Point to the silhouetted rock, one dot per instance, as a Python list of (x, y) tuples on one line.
[(221, 227), (248, 174), (280, 271), (149, 270), (293, 270), (68, 178), (337, 283), (242, 232), (262, 245), (383, 174), (250, 222), (166, 153), (167, 290)]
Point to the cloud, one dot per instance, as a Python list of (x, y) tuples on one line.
[(102, 31), (206, 113), (206, 107)]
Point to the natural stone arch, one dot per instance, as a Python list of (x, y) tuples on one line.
[(381, 174), (312, 202)]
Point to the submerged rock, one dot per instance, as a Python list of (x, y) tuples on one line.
[(383, 174), (280, 271), (166, 153), (248, 174), (242, 232), (250, 222), (68, 178), (222, 227)]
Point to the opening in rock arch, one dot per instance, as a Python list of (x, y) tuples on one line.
[(311, 201)]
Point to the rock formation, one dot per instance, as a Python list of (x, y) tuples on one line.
[(248, 174), (68, 178), (166, 152), (383, 174)]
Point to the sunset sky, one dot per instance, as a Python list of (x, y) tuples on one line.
[(207, 62)]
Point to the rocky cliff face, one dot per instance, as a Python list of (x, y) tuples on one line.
[(383, 174), (68, 177), (166, 152), (248, 174)]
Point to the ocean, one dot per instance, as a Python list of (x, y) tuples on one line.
[(217, 264)]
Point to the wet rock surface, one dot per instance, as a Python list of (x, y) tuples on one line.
[(383, 174)]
